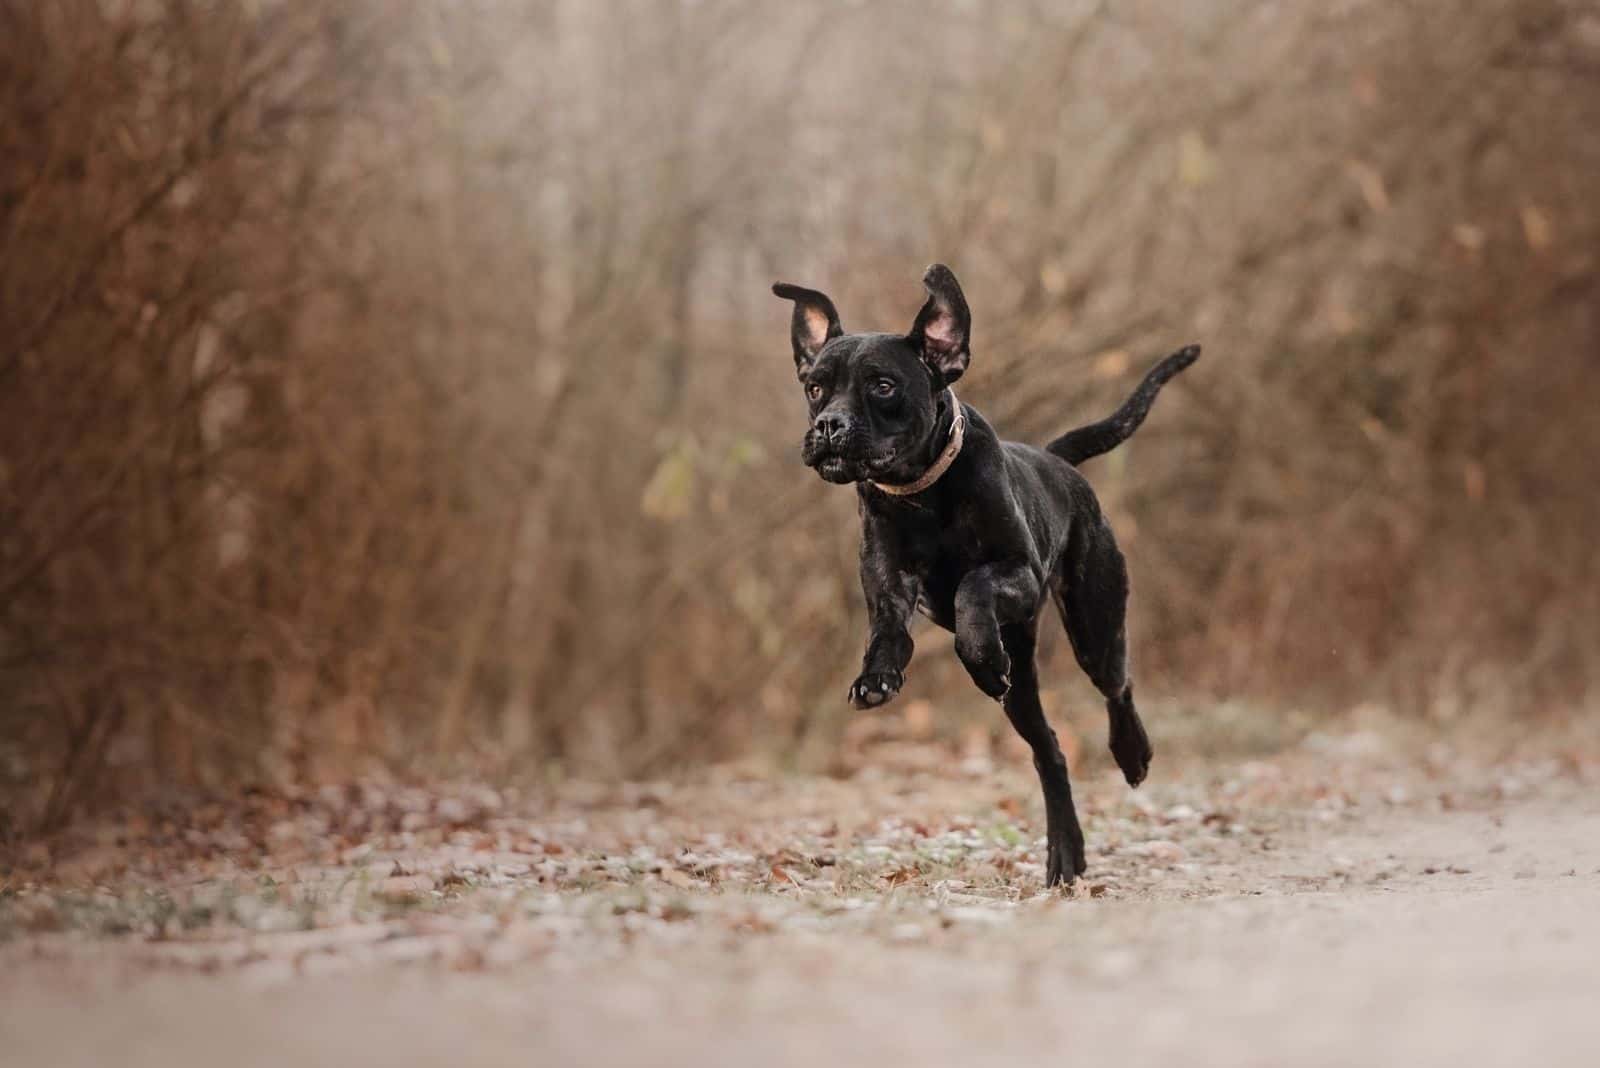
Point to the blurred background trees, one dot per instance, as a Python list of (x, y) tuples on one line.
[(397, 384)]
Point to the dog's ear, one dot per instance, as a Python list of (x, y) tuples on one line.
[(815, 323), (943, 330)]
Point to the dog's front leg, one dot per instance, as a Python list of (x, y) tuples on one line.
[(891, 598), (989, 597)]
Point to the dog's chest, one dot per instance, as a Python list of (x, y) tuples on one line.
[(938, 577), (939, 548)]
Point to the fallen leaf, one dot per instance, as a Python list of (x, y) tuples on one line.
[(901, 876)]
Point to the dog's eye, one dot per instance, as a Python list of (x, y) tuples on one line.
[(883, 387), (814, 391)]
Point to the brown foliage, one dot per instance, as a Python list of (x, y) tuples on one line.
[(384, 381)]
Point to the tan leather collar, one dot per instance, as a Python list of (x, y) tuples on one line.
[(942, 464)]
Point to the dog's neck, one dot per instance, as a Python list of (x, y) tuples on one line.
[(941, 463)]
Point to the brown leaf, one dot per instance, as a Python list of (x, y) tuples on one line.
[(901, 876)]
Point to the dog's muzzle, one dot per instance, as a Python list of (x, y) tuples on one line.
[(842, 453)]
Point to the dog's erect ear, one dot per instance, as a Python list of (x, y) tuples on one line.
[(815, 323), (943, 330)]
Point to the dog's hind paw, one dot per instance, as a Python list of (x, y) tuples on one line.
[(875, 688), (1064, 862), (1131, 749)]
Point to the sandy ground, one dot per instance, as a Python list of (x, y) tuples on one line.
[(1235, 921)]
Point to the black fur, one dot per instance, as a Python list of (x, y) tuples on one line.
[(1006, 529)]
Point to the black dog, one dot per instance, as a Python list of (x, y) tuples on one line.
[(973, 531)]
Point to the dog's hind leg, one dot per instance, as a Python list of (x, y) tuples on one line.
[(1064, 838), (1092, 595)]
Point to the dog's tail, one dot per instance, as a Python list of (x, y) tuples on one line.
[(1076, 446)]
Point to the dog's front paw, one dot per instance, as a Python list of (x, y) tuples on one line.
[(875, 688), (1130, 745), (988, 665)]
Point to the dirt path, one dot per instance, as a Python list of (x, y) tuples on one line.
[(1373, 925)]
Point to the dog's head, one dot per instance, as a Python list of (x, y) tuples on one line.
[(874, 398)]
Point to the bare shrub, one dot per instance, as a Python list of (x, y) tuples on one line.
[(389, 385)]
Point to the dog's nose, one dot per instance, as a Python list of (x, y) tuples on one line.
[(829, 425)]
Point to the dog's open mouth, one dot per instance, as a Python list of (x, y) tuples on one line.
[(836, 469), (843, 470)]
